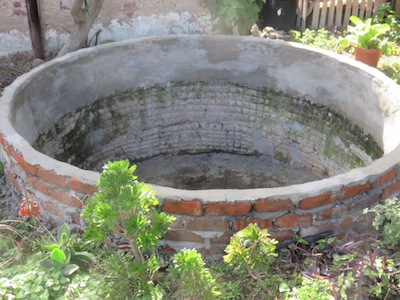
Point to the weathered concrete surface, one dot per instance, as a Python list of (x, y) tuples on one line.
[(364, 95), (118, 20)]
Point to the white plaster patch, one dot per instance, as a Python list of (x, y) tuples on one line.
[(14, 41)]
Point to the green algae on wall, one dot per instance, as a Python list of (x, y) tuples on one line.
[(223, 114)]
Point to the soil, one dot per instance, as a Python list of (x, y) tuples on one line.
[(11, 67), (220, 171)]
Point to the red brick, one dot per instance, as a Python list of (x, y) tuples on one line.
[(192, 208), (332, 213), (7, 148), (52, 177), (76, 218), (25, 165), (365, 202), (183, 236), (352, 191), (13, 179), (390, 190), (64, 197), (316, 229), (37, 184), (214, 250), (241, 224), (84, 188), (179, 223), (293, 220), (19, 12), (282, 235), (317, 201), (385, 178), (224, 239), (347, 223), (264, 205), (167, 250), (207, 224), (52, 208), (228, 209)]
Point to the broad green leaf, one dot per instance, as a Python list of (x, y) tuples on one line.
[(63, 234), (50, 247), (58, 256), (68, 270)]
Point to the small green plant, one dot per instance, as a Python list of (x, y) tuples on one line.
[(392, 70), (320, 38), (192, 279), (63, 256), (364, 35), (316, 289), (126, 208), (242, 14), (387, 220), (252, 249), (1, 170)]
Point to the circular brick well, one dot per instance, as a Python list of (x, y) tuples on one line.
[(307, 109)]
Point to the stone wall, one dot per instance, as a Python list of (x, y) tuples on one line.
[(118, 20)]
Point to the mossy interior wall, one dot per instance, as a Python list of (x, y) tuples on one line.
[(205, 117)]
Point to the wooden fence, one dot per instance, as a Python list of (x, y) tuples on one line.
[(333, 13)]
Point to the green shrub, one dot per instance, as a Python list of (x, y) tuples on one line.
[(252, 249), (192, 279), (242, 14)]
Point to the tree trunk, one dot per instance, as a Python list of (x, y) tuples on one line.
[(84, 13), (35, 29)]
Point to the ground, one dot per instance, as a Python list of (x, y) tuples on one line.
[(10, 68)]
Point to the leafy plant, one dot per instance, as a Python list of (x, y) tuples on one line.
[(63, 256), (193, 280), (364, 34), (126, 208), (234, 13), (387, 219), (310, 289), (1, 170), (252, 249), (392, 70), (320, 38)]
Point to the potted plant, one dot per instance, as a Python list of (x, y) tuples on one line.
[(364, 37)]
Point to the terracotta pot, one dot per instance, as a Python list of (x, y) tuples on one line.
[(367, 56)]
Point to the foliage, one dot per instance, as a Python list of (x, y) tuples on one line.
[(252, 249), (126, 208), (9, 244), (387, 220), (229, 14), (63, 256), (364, 34), (1, 170), (316, 289), (391, 70), (320, 38), (29, 281), (193, 280), (386, 15)]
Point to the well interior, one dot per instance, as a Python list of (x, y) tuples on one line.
[(273, 138)]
